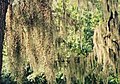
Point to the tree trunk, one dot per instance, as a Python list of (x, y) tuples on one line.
[(3, 9), (107, 40)]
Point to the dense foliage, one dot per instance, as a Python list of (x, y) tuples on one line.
[(72, 40)]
